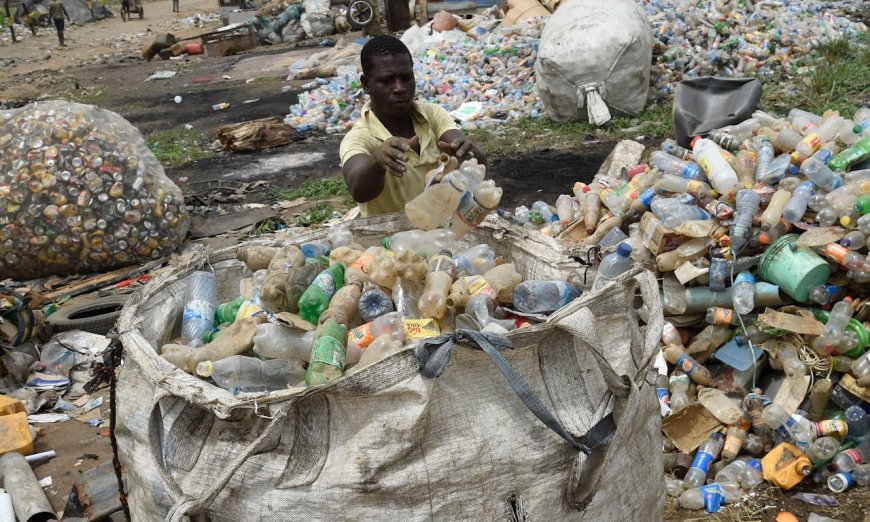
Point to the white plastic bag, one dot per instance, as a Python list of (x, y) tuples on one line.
[(317, 19), (388, 442), (594, 55)]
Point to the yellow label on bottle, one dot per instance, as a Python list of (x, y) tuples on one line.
[(416, 329), (248, 309)]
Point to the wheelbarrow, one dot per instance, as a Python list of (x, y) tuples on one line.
[(128, 7)]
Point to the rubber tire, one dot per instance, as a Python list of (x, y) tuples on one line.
[(66, 318), (353, 23)]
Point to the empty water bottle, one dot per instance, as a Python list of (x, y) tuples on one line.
[(747, 206), (251, 374), (848, 460), (200, 300), (673, 212), (374, 303), (276, 341), (475, 260), (763, 156), (825, 294), (840, 482), (743, 293), (544, 296), (861, 369), (861, 474), (612, 266), (832, 333), (823, 449), (820, 174), (859, 424), (707, 453), (797, 206), (673, 165)]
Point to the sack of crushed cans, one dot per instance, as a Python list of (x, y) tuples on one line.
[(80, 192)]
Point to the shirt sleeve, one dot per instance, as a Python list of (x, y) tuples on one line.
[(440, 120), (357, 141)]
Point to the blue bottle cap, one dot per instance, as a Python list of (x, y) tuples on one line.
[(623, 249), (744, 277)]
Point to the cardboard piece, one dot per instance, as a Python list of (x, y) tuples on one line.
[(687, 272), (792, 392), (690, 426), (851, 385), (656, 237), (791, 323)]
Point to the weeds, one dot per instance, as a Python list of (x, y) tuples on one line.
[(529, 134), (179, 145), (837, 80), (315, 189), (318, 214)]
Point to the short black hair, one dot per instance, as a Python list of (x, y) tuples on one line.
[(381, 45)]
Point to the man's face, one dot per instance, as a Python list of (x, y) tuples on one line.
[(391, 85)]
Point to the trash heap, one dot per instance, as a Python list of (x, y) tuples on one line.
[(483, 71), (759, 233), (739, 38), (326, 309)]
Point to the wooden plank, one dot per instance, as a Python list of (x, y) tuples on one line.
[(98, 281)]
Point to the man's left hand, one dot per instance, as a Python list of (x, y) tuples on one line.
[(461, 148)]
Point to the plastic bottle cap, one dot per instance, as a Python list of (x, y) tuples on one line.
[(204, 369), (624, 249)]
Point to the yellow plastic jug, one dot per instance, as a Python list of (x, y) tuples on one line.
[(785, 466), (15, 434)]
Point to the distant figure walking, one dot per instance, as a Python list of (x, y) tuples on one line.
[(57, 12), (175, 8)]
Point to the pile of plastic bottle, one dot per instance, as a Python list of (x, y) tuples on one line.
[(759, 234), (495, 68), (769, 40), (323, 310)]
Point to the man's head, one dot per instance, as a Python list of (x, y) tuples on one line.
[(388, 75)]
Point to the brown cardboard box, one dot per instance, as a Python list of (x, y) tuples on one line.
[(656, 237)]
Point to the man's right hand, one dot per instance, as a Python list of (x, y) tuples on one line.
[(391, 155)]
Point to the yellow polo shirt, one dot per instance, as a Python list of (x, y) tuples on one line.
[(367, 134)]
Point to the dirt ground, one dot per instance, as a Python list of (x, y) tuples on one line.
[(101, 65)]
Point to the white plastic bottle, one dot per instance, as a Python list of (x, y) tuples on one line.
[(722, 177), (612, 266)]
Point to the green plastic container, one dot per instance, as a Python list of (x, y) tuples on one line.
[(795, 271), (855, 326)]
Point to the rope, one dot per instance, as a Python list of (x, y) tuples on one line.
[(106, 372)]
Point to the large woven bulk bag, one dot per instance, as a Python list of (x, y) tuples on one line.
[(459, 428), (594, 59)]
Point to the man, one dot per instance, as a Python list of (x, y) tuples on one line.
[(175, 8), (387, 153), (57, 12)]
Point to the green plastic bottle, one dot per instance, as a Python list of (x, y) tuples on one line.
[(226, 313), (854, 154), (862, 204), (315, 299), (328, 353)]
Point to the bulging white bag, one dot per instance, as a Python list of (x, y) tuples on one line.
[(596, 56)]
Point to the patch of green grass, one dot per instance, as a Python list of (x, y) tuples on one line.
[(837, 79), (179, 145), (529, 134), (315, 189), (318, 214)]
